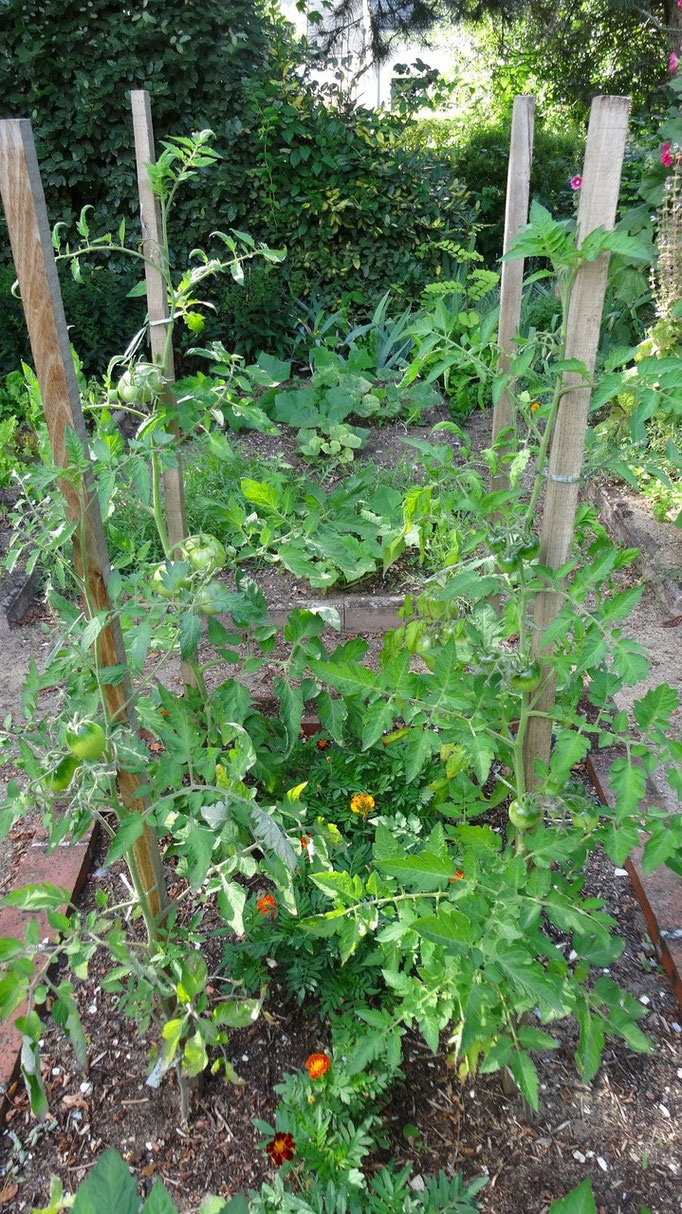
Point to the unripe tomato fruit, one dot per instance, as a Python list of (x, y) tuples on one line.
[(204, 552), (525, 812), (526, 678), (529, 547), (140, 384), (86, 740), (208, 599), (160, 586), (59, 779)]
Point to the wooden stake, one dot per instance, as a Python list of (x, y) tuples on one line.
[(24, 202), (511, 282), (598, 202), (157, 299)]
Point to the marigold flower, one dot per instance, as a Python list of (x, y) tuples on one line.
[(535, 406), (362, 803), (458, 876), (267, 906), (281, 1148), (666, 156), (576, 182), (323, 743), (672, 63), (317, 1065)]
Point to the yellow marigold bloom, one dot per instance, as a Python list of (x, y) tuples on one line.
[(535, 406), (362, 803)]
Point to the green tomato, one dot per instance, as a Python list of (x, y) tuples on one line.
[(509, 561), (59, 779), (529, 547), (210, 598), (498, 543), (86, 740), (140, 384), (160, 586), (526, 678), (525, 812), (204, 552)]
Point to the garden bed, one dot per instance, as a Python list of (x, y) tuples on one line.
[(622, 1129)]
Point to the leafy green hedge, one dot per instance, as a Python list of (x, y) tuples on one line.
[(358, 211), (481, 161)]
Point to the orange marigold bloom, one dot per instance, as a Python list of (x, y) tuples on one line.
[(267, 906), (535, 406), (458, 876), (323, 743), (362, 803), (281, 1148), (317, 1065)]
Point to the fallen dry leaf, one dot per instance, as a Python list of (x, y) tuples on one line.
[(9, 1191)]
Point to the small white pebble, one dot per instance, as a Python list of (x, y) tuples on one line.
[(645, 1000), (148, 1146), (664, 1110), (679, 1072), (620, 872), (56, 1070), (417, 1183), (602, 1163), (93, 1009), (245, 1057), (572, 955), (590, 1154), (472, 1094), (579, 1156), (677, 1028), (86, 1087)]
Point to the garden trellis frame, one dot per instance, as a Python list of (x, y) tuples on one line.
[(36, 269)]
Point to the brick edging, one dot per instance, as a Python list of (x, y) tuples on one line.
[(659, 893), (67, 866)]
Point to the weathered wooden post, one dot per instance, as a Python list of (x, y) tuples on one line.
[(158, 312), (511, 282), (598, 203), (24, 203)]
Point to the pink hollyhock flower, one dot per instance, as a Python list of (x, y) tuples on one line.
[(672, 62), (576, 182), (667, 156)]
